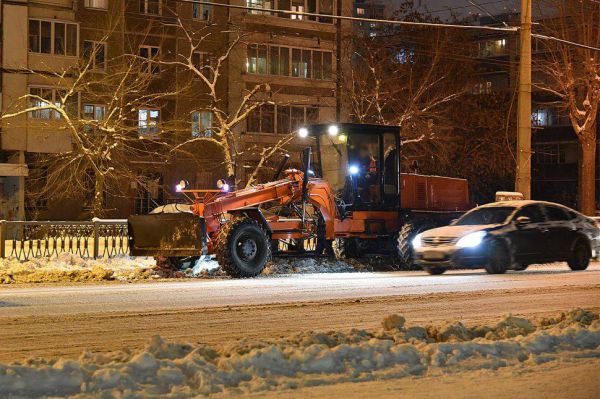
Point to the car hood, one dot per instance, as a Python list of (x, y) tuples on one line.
[(457, 231)]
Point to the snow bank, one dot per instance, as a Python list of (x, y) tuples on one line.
[(295, 265), (70, 267), (171, 370)]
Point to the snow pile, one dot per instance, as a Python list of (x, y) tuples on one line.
[(170, 370), (306, 265), (70, 267)]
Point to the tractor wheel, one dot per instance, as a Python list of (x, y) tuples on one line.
[(405, 250), (242, 248), (346, 248)]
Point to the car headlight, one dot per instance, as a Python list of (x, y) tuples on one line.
[(416, 242), (471, 240)]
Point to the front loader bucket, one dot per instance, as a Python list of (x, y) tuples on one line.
[(166, 234)]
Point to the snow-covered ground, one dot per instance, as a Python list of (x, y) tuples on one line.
[(397, 350), (68, 267)]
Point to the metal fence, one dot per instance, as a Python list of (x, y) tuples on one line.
[(89, 239)]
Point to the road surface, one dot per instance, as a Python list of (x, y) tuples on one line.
[(65, 320)]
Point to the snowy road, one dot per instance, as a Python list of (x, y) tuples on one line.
[(64, 320), (69, 300)]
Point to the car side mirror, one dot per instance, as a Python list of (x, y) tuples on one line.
[(522, 221)]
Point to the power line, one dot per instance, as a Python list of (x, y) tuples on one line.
[(585, 46), (348, 18)]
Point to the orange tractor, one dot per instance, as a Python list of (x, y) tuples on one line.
[(349, 199)]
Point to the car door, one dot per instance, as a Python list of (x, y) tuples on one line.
[(528, 240), (561, 233)]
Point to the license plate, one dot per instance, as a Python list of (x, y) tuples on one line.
[(433, 255)]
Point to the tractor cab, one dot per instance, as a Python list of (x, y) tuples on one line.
[(361, 163)]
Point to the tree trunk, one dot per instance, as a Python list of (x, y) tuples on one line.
[(98, 207), (587, 176), (229, 163)]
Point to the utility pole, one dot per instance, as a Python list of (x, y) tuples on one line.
[(523, 181)]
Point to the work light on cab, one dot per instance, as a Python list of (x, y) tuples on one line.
[(333, 130), (303, 132)]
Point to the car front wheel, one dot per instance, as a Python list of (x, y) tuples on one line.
[(498, 261), (580, 257)]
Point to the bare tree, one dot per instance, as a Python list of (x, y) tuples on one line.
[(226, 117), (407, 76), (104, 142), (571, 75)]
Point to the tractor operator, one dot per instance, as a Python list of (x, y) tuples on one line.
[(367, 176)]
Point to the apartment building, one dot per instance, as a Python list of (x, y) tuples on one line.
[(296, 56)]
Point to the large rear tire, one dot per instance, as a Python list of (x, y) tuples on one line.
[(405, 237), (580, 258), (498, 259), (242, 248)]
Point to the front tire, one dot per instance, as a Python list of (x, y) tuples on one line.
[(580, 258), (499, 259), (242, 248)]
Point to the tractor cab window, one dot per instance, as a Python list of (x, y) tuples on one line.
[(363, 168), (334, 160)]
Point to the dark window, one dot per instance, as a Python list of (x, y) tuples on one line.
[(556, 214), (34, 36), (59, 38), (533, 212), (283, 120), (46, 40)]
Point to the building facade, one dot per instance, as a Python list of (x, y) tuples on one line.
[(295, 56)]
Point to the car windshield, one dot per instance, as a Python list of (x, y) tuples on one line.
[(482, 216)]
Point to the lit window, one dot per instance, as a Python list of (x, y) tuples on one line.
[(94, 112), (483, 88), (53, 37), (360, 11), (97, 4), (257, 59), (44, 96), (148, 120), (276, 60), (151, 53), (542, 117), (202, 123), (264, 4)]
